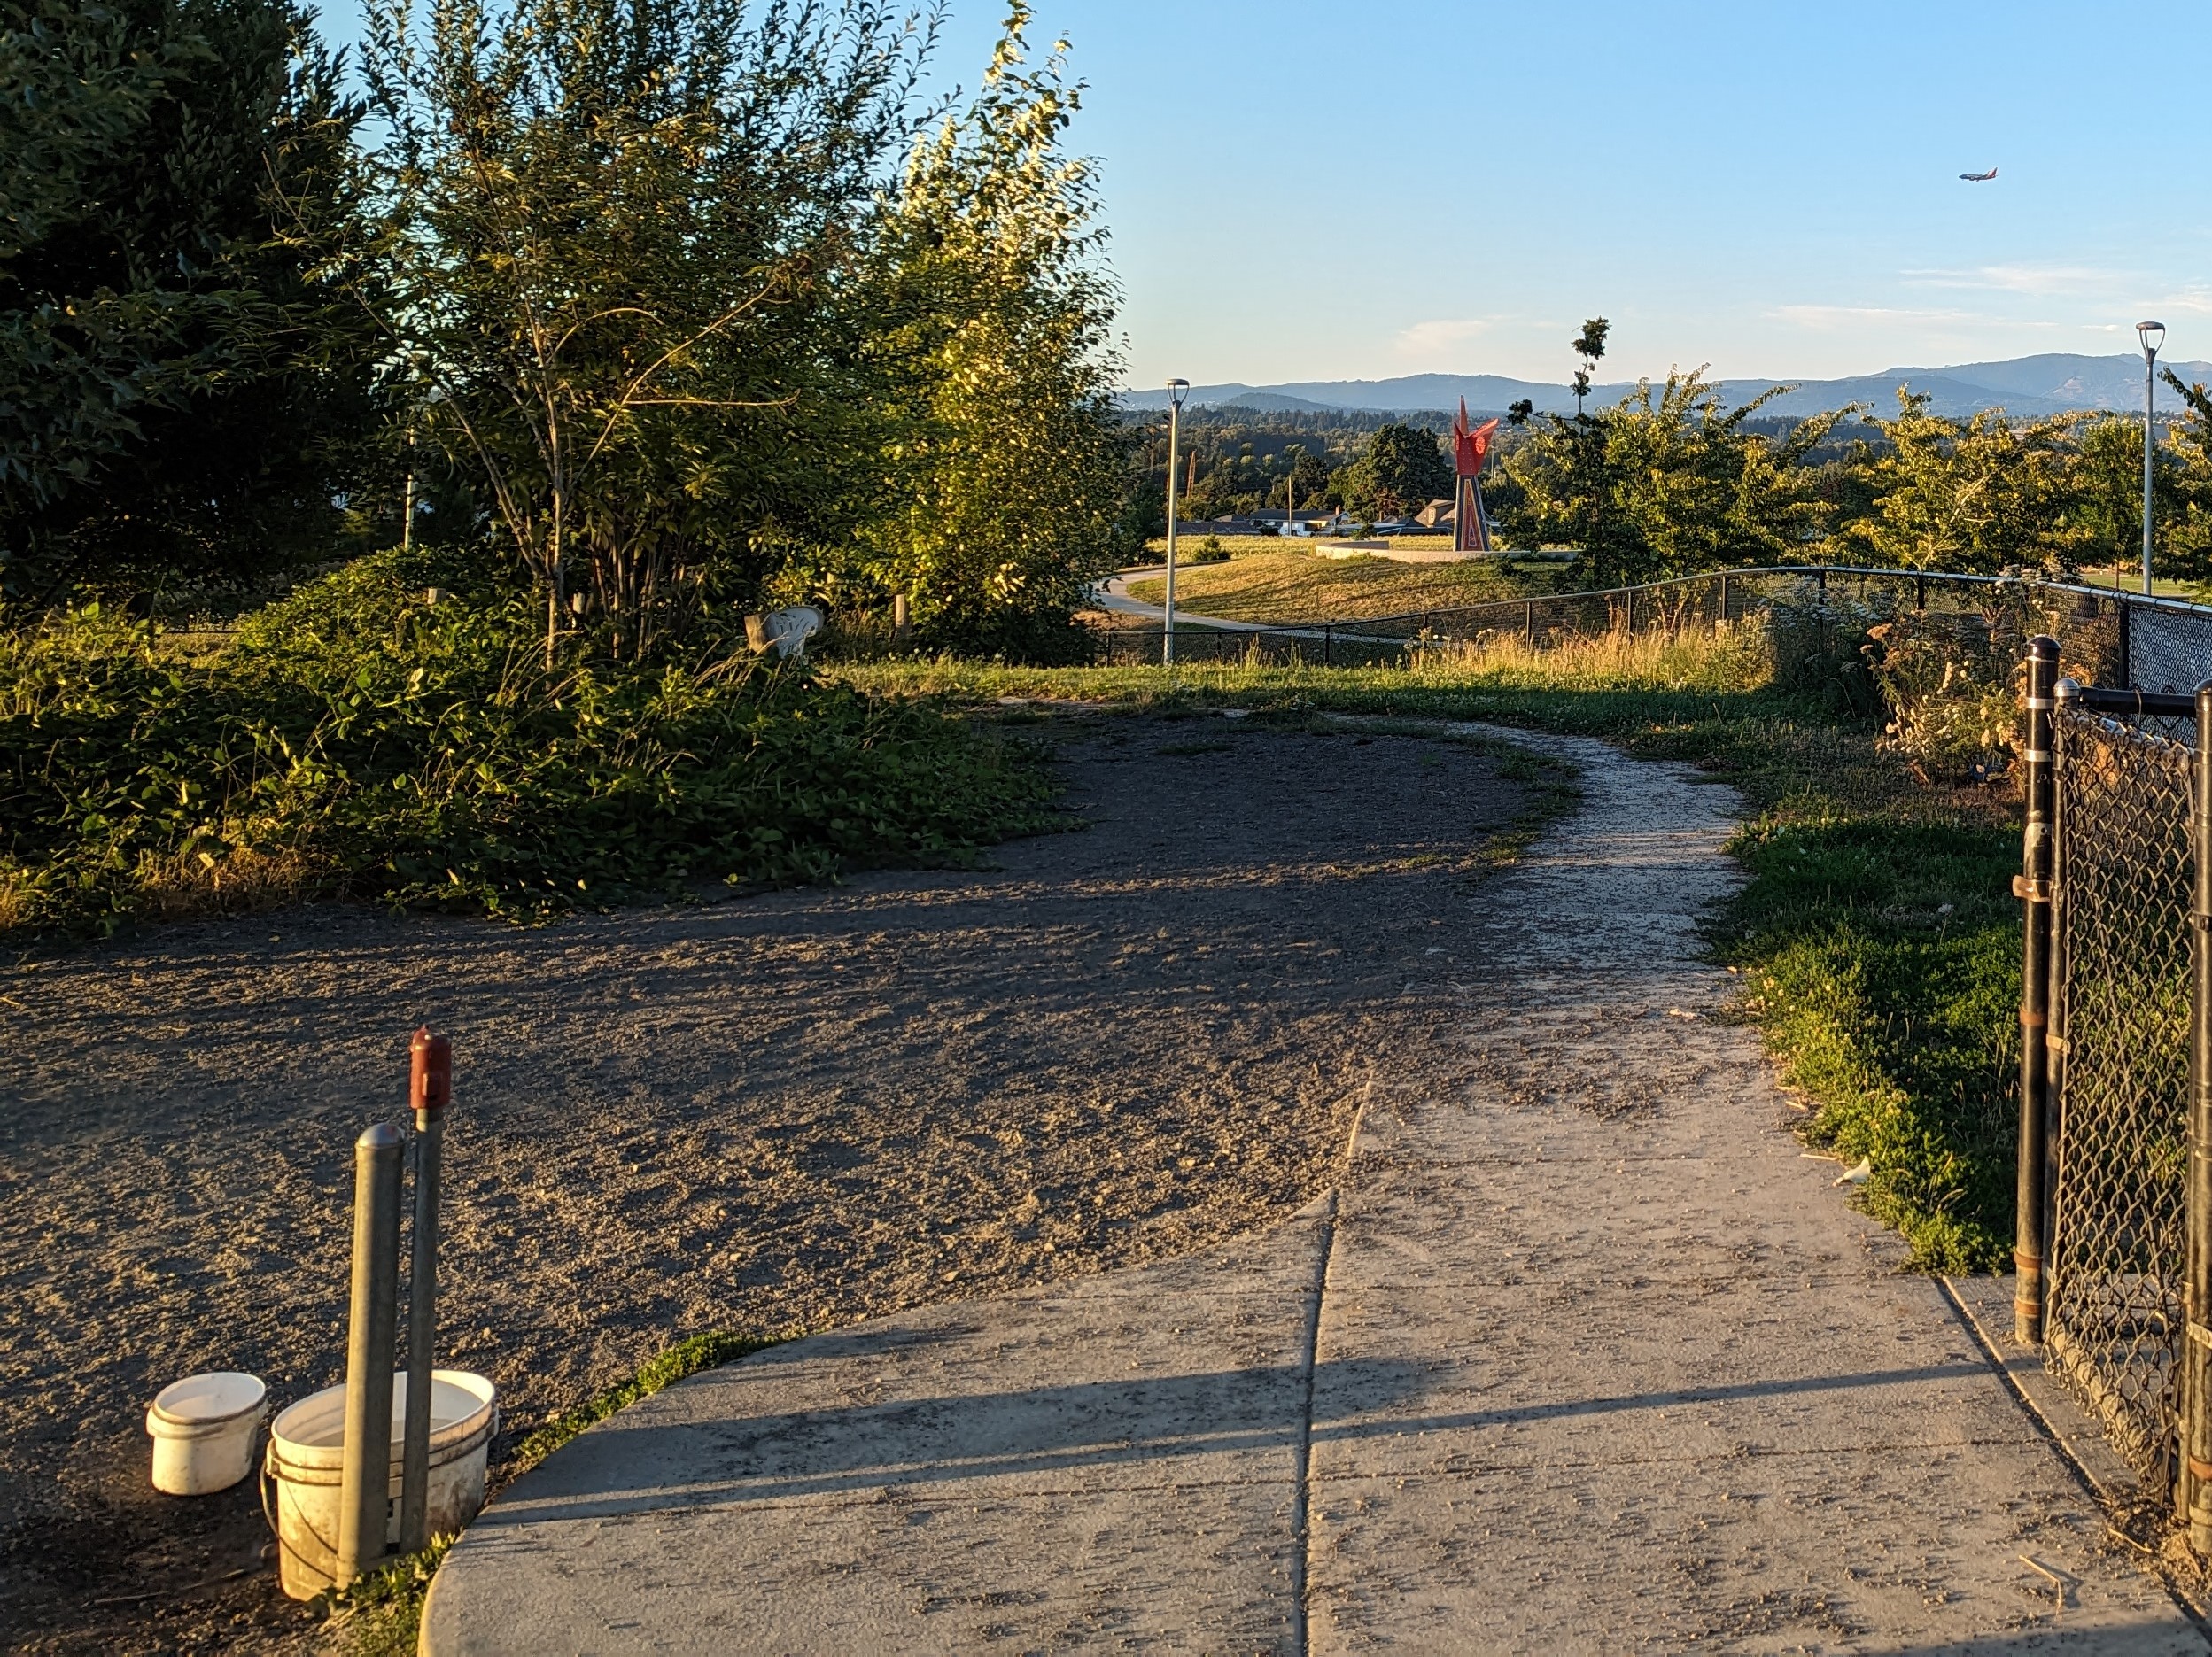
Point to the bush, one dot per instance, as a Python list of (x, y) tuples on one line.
[(358, 741), (1953, 709)]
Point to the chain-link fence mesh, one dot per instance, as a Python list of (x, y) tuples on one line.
[(2105, 637), (2119, 1041), (2170, 647)]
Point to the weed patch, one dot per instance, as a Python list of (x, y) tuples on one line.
[(358, 740)]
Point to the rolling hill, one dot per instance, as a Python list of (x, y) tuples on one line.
[(2053, 383)]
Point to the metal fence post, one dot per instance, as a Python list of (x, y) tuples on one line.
[(365, 1477), (2193, 1489), (2033, 888), (431, 1089)]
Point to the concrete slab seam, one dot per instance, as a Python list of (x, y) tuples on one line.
[(1301, 1492)]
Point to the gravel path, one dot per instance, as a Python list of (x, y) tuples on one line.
[(1579, 1354), (800, 1110)]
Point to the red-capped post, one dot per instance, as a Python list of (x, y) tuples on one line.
[(429, 1090)]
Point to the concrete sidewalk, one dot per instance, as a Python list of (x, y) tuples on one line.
[(1581, 1355)]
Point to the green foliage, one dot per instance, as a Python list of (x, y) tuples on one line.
[(2184, 549), (1001, 451), (359, 740), (1886, 964), (179, 396), (2106, 484), (1669, 482), (1403, 469), (622, 253), (1980, 495), (1590, 345)]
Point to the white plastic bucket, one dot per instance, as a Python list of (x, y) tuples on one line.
[(307, 1455), (204, 1429)]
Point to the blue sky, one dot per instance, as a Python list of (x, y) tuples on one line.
[(1302, 189)]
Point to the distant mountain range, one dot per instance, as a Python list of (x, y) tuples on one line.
[(2054, 383)]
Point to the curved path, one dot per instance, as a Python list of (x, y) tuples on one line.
[(1580, 1355)]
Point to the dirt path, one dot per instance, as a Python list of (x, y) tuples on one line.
[(1579, 1355), (800, 1110)]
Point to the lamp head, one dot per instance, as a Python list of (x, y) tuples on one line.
[(1177, 389), (2152, 335)]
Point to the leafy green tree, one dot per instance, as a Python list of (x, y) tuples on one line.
[(2184, 549), (181, 395), (1668, 483), (626, 272), (1403, 469), (1980, 495), (999, 378), (2106, 493), (1589, 345)]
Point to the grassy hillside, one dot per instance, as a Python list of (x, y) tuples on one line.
[(1294, 585)]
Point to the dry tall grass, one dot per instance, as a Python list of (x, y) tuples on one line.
[(1733, 656)]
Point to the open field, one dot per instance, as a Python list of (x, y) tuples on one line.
[(788, 1111), (1299, 587), (1877, 938)]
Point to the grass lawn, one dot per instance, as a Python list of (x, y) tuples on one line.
[(1298, 586), (1877, 938)]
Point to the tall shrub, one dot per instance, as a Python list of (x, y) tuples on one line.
[(181, 395), (997, 373), (624, 238)]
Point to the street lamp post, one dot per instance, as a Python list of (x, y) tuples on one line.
[(1177, 389), (2152, 335)]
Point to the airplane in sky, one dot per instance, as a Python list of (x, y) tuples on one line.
[(1979, 178)]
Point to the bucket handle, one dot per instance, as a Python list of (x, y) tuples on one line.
[(267, 1481)]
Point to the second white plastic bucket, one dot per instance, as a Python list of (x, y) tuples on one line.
[(307, 1455), (204, 1429)]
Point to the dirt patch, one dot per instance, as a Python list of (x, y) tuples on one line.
[(795, 1111)]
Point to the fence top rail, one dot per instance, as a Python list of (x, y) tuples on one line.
[(2099, 699), (1945, 578)]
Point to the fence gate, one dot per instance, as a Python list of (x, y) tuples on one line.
[(2114, 1210)]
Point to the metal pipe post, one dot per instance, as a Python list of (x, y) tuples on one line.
[(1177, 388), (2192, 1491), (2033, 888), (431, 1089), (2145, 331), (365, 1477)]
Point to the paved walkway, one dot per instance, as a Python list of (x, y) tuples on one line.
[(1112, 594), (1582, 1357)]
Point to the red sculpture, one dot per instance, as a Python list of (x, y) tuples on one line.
[(1471, 448)]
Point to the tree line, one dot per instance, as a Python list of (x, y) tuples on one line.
[(677, 308), (1671, 480)]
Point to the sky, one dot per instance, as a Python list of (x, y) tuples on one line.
[(1303, 190)]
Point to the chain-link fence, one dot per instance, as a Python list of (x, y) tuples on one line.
[(2106, 637), (2118, 1041)]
